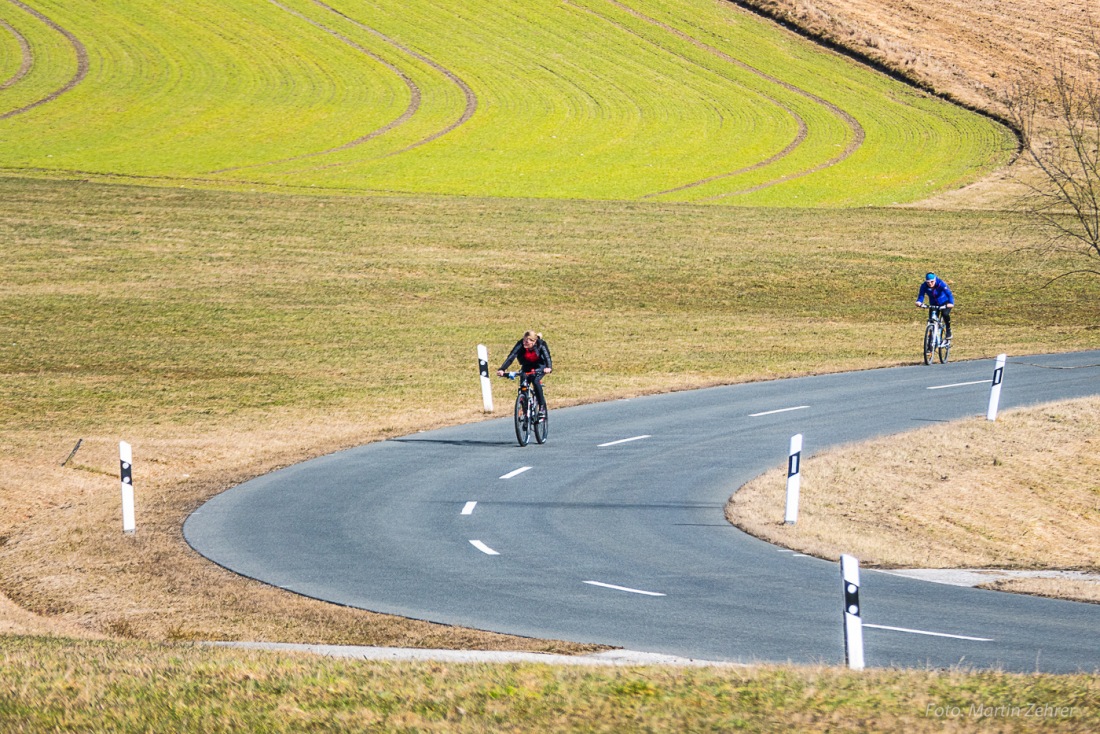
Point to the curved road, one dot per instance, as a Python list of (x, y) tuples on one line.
[(594, 538)]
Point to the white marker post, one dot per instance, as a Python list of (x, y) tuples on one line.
[(995, 391), (126, 462), (853, 621), (794, 479), (483, 368)]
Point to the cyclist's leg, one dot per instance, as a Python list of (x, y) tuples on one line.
[(536, 382), (947, 321)]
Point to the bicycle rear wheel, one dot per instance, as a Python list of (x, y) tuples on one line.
[(542, 426), (929, 342), (523, 420)]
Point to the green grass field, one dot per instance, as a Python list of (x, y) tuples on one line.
[(680, 100)]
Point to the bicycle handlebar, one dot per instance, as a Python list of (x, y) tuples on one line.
[(514, 375)]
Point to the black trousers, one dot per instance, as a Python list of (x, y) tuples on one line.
[(535, 381)]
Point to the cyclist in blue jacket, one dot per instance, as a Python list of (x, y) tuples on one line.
[(938, 295)]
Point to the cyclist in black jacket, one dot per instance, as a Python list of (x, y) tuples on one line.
[(534, 359)]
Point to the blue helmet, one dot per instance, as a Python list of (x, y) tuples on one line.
[(930, 276)]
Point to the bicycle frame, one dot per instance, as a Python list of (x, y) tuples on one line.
[(934, 343), (935, 316), (527, 416)]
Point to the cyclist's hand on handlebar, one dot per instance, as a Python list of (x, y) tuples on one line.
[(548, 370), (920, 304), (950, 305), (500, 373)]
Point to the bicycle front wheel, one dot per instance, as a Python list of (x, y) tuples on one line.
[(523, 421), (929, 342), (542, 426)]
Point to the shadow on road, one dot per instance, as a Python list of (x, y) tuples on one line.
[(446, 442)]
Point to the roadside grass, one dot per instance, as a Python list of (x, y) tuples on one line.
[(1016, 493), (577, 100), (48, 684), (225, 335)]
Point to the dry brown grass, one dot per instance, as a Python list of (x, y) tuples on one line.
[(968, 50), (1018, 493)]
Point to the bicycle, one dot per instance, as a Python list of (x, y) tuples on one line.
[(528, 419), (935, 343)]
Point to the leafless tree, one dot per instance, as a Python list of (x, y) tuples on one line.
[(1059, 123)]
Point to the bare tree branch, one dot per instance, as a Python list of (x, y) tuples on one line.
[(1059, 124)]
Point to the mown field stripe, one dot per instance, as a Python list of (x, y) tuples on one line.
[(25, 55), (410, 110), (471, 98), (797, 140), (619, 98), (81, 62), (858, 133)]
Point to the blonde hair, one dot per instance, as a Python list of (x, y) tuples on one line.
[(535, 334)]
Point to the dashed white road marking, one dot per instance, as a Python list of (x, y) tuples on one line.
[(623, 440), (469, 508), (624, 588), (483, 548), (517, 472), (926, 632), (958, 384), (781, 410)]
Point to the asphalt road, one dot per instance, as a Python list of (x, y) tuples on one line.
[(594, 538)]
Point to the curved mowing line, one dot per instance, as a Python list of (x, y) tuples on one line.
[(798, 139), (81, 62), (24, 52), (471, 98), (414, 101), (858, 133)]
